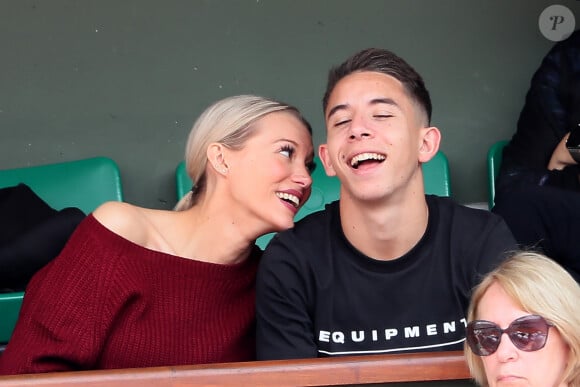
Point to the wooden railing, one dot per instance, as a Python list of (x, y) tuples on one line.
[(302, 372)]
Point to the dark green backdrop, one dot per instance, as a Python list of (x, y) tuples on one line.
[(126, 79)]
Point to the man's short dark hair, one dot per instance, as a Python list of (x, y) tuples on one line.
[(385, 62)]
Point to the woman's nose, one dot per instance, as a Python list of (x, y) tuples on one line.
[(302, 176), (506, 351)]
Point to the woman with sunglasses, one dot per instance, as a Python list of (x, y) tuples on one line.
[(524, 325)]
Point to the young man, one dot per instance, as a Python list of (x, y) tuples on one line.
[(386, 268)]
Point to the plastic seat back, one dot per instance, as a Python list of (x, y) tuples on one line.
[(84, 184), (9, 309), (494, 156), (182, 181), (436, 175)]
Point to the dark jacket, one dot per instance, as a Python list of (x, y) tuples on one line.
[(31, 234), (551, 110)]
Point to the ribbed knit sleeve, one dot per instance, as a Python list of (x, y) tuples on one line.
[(106, 302)]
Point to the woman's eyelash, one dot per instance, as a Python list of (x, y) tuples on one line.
[(288, 149)]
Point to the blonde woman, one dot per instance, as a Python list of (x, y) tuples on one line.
[(536, 303), (138, 287)]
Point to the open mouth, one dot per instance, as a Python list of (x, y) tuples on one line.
[(292, 199), (366, 158)]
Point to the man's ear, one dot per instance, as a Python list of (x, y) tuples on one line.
[(429, 146), (325, 158), (216, 157)]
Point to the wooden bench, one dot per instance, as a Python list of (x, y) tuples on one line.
[(303, 372)]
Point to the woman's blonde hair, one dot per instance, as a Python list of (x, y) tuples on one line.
[(229, 122), (540, 286)]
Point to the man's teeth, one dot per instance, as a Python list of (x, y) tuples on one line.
[(354, 162), (286, 196)]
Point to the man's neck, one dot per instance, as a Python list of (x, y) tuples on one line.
[(387, 230)]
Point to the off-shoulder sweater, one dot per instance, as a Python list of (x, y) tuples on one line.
[(106, 302)]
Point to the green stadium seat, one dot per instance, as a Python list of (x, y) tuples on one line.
[(84, 184), (494, 156), (436, 176)]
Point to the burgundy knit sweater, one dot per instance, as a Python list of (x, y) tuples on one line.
[(106, 302)]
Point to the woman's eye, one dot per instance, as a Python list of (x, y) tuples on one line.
[(383, 115), (341, 122), (287, 151)]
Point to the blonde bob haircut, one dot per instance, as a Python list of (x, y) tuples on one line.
[(540, 286), (229, 122)]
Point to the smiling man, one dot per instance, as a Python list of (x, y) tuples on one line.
[(386, 268)]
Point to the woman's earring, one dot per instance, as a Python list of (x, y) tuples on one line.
[(220, 168)]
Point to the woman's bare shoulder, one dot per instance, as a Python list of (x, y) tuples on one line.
[(124, 219)]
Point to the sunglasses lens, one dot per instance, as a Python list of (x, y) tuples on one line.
[(483, 337), (529, 333)]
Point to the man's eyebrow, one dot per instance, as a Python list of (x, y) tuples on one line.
[(374, 101), (335, 109), (388, 101)]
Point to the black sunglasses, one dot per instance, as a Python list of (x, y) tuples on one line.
[(527, 333)]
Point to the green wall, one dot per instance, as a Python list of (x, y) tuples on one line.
[(126, 79)]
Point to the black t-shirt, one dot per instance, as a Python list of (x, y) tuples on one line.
[(318, 296)]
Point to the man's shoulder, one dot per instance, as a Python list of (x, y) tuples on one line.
[(464, 222), (472, 228), (448, 209)]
